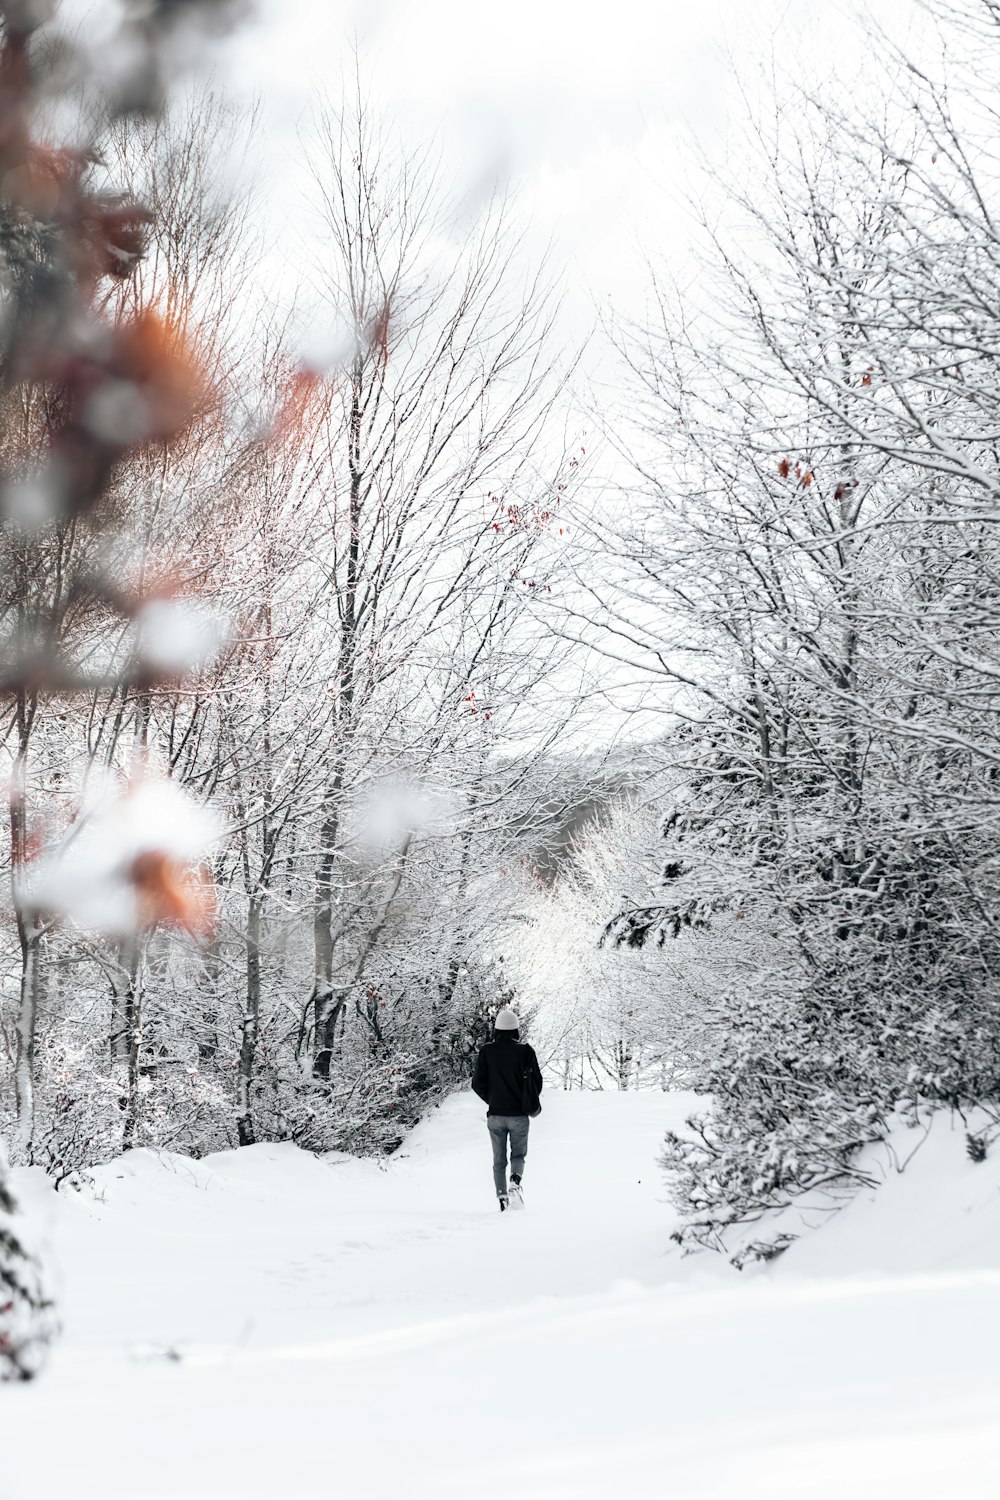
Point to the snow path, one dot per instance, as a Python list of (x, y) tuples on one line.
[(266, 1324)]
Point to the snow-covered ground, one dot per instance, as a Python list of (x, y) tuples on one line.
[(267, 1324)]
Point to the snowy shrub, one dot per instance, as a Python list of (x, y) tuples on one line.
[(877, 1003), (788, 1116), (366, 1112), (182, 1110), (78, 1120), (27, 1316)]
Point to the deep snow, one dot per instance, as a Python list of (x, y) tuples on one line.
[(266, 1323)]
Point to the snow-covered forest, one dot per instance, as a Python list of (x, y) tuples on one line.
[(384, 644)]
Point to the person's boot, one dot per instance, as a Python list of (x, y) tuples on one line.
[(516, 1195), (504, 1204)]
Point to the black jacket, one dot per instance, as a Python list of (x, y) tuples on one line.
[(499, 1075)]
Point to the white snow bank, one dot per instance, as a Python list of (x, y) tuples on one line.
[(933, 1209), (267, 1324)]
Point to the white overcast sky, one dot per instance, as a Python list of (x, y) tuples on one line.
[(589, 108)]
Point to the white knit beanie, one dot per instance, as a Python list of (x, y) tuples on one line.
[(506, 1020)]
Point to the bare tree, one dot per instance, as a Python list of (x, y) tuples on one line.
[(441, 476)]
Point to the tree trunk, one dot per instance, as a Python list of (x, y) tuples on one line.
[(118, 1039), (24, 1064), (29, 939), (132, 1018), (251, 1025), (326, 1012), (208, 1036)]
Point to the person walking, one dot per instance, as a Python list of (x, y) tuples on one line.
[(508, 1080)]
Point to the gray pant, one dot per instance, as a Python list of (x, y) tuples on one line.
[(500, 1126)]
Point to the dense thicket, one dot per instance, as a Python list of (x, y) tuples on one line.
[(820, 560)]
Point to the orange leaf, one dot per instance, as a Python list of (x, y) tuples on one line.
[(291, 414), (153, 356), (168, 892)]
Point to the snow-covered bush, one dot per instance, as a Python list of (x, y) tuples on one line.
[(78, 1118), (27, 1317), (818, 560)]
